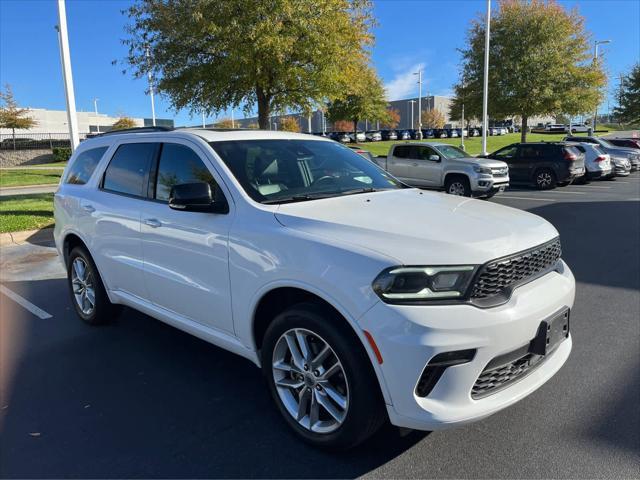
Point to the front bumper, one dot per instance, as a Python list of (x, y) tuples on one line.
[(484, 184), (409, 336)]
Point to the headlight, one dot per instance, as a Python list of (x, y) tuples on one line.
[(479, 169), (423, 284)]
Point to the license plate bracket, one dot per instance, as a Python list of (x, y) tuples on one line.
[(551, 333)]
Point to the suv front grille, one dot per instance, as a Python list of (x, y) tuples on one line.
[(497, 278), (500, 172)]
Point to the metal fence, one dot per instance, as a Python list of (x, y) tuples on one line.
[(36, 141)]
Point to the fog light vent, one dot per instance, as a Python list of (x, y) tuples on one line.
[(436, 367)]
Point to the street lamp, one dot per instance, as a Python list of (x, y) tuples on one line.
[(485, 90), (95, 109), (412, 122), (595, 61), (150, 78), (419, 132), (65, 60)]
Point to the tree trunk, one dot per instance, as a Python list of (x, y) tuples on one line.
[(524, 128), (355, 130), (264, 109), (13, 134)]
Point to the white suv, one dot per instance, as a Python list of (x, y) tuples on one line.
[(361, 299)]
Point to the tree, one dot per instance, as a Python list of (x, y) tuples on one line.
[(276, 54), (13, 117), (628, 110), (225, 123), (392, 120), (540, 63), (123, 122), (365, 100), (289, 124), (342, 126), (433, 118)]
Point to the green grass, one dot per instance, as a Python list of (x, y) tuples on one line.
[(472, 145), (15, 178), (26, 212), (52, 164)]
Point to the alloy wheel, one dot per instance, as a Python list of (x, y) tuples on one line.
[(310, 381), (544, 179), (83, 286), (456, 188)]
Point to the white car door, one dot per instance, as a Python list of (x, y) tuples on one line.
[(186, 254), (116, 205)]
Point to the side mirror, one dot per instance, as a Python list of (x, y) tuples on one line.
[(434, 158), (195, 197)]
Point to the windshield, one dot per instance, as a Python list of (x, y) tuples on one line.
[(280, 171), (452, 152)]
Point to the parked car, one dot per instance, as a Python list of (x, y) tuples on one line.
[(373, 136), (389, 134), (545, 165), (452, 133), (475, 132), (365, 153), (621, 166), (361, 300), (625, 142), (597, 163), (359, 137), (630, 154), (427, 133), (576, 128), (342, 137), (404, 135), (445, 167), (555, 127)]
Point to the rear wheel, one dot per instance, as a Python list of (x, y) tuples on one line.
[(545, 179), (88, 294), (458, 185), (321, 378)]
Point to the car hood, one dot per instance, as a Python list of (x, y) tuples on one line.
[(415, 227)]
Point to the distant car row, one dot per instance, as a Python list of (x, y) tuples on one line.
[(544, 165), (409, 134)]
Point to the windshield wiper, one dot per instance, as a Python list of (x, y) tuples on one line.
[(317, 196), (360, 190)]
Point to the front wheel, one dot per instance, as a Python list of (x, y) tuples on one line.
[(321, 378), (458, 186), (545, 179)]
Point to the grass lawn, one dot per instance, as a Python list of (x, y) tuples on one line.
[(472, 145), (15, 178), (52, 164), (26, 212)]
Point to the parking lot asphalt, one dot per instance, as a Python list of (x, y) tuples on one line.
[(138, 398)]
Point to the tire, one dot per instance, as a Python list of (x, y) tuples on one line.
[(358, 404), (490, 195), (82, 278), (458, 185), (564, 184), (545, 179)]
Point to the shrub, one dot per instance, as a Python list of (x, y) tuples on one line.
[(61, 154)]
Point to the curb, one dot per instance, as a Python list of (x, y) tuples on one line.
[(41, 236)]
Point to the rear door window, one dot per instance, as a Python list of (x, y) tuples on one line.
[(401, 151), (83, 166), (128, 171)]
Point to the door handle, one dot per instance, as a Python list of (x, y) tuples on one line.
[(88, 208), (152, 222)]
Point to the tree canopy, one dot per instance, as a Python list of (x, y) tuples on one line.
[(123, 122), (433, 118), (13, 117), (628, 110), (276, 54), (289, 124), (365, 101), (225, 123), (392, 120), (540, 63)]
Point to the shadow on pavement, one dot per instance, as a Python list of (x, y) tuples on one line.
[(138, 398)]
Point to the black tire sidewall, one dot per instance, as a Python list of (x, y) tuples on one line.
[(366, 409), (465, 184)]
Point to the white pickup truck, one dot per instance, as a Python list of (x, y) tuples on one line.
[(445, 167)]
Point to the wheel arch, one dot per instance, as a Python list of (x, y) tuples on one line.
[(278, 298)]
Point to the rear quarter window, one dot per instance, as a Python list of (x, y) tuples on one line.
[(129, 167), (402, 151), (84, 165)]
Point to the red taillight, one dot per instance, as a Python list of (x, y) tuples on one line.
[(570, 157), (601, 158)]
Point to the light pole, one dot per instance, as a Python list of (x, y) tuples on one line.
[(95, 109), (419, 132), (233, 122), (462, 131), (412, 122), (65, 60), (595, 61), (485, 90), (150, 78)]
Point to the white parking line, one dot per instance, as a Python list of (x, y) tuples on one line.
[(38, 312), (588, 186), (567, 193), (538, 199)]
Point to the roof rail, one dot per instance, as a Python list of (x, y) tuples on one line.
[(135, 130)]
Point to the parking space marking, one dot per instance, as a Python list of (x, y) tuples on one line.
[(567, 193), (538, 199), (589, 186), (38, 312)]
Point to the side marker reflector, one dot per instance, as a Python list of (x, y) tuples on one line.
[(374, 347)]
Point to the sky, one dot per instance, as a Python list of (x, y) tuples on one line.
[(410, 35)]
